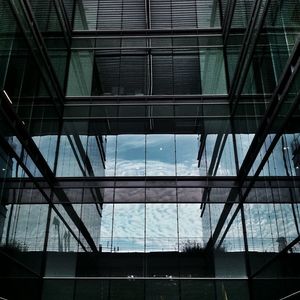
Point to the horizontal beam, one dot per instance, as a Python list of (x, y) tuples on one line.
[(155, 182), (148, 99), (148, 32)]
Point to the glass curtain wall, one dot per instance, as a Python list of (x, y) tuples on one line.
[(149, 149)]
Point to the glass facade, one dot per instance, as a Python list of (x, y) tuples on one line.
[(149, 149)]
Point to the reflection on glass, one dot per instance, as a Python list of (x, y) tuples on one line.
[(243, 142), (218, 155), (161, 227), (130, 155), (106, 228), (111, 141), (270, 227), (80, 73), (160, 156), (213, 80), (186, 155), (25, 226), (190, 227), (283, 160), (152, 155), (69, 163), (205, 159), (47, 146), (231, 239), (128, 228), (94, 156), (60, 239), (226, 166)]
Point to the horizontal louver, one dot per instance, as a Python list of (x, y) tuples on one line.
[(132, 14), (121, 14), (123, 75), (177, 74)]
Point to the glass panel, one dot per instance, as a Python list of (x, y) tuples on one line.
[(130, 155), (226, 166), (46, 145), (213, 80), (80, 73), (107, 228), (7, 31), (69, 161), (110, 155), (161, 228), (60, 238), (190, 228), (94, 153), (160, 156), (186, 155), (128, 228)]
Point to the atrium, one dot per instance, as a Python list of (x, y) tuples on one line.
[(150, 149)]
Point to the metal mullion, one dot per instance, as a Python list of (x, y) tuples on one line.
[(248, 57), (19, 22), (246, 252), (38, 39), (148, 14), (246, 40), (244, 63), (221, 12), (149, 66), (65, 18), (87, 166), (217, 156), (226, 26), (231, 200), (228, 225), (76, 155), (63, 23), (212, 170), (291, 295), (83, 155), (96, 194), (100, 149)]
